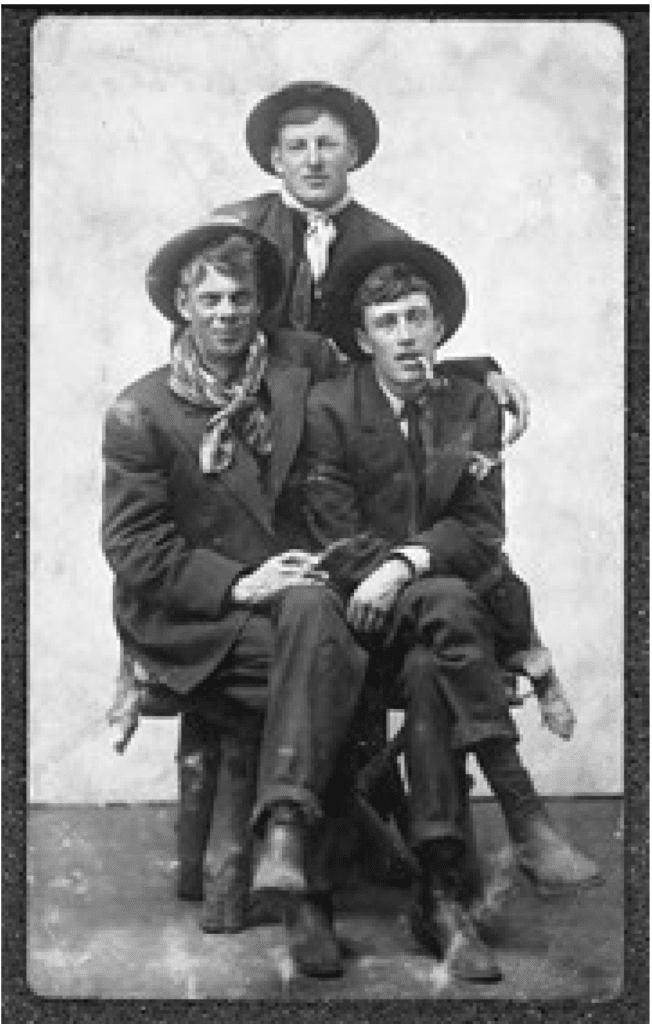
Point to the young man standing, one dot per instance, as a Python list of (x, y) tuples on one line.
[(312, 136)]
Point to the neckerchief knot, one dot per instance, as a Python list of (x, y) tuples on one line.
[(237, 403)]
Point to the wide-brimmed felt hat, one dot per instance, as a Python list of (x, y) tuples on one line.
[(262, 123), (426, 262), (163, 273)]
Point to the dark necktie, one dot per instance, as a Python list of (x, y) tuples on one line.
[(412, 416)]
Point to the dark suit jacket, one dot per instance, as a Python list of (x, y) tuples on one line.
[(356, 227), (176, 539), (360, 480)]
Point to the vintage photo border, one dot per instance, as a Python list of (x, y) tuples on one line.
[(19, 1003)]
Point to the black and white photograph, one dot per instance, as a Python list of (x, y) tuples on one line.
[(327, 443)]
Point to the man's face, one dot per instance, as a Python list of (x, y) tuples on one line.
[(223, 312), (314, 159), (402, 337)]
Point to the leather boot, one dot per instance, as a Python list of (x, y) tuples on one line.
[(198, 760), (442, 925), (313, 945), (281, 862), (551, 863), (228, 854), (554, 706)]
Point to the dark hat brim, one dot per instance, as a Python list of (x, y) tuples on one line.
[(262, 123), (426, 262), (163, 273)]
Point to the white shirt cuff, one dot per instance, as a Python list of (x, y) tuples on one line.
[(417, 556)]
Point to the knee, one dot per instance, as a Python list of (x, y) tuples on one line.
[(448, 590), (310, 604), (446, 597)]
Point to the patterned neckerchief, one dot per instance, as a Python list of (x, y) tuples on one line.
[(236, 404)]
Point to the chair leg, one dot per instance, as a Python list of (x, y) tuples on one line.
[(198, 759), (229, 849)]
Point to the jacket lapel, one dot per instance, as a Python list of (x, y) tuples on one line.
[(353, 233), (376, 414), (381, 440), (288, 386), (446, 457), (276, 224), (243, 480)]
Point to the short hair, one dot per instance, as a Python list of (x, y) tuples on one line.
[(389, 282), (306, 115), (236, 256)]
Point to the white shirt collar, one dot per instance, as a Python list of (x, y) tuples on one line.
[(330, 211), (395, 402)]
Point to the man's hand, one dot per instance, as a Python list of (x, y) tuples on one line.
[(291, 569), (512, 397), (373, 599)]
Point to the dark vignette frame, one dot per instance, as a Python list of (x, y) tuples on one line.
[(19, 1003)]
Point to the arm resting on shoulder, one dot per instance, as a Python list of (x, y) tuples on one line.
[(475, 368), (507, 392)]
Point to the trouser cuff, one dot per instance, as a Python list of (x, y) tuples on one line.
[(429, 831), (283, 793), (467, 735)]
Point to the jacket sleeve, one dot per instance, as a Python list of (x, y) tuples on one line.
[(468, 538), (140, 538), (475, 368), (331, 509)]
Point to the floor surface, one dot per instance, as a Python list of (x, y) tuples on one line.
[(104, 921)]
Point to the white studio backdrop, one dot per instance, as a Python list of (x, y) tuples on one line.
[(502, 143)]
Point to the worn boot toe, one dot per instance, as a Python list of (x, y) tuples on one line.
[(551, 863), (556, 712), (448, 931)]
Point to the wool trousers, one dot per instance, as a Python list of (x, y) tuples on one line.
[(305, 654), (439, 648)]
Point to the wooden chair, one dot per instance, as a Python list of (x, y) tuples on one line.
[(218, 761)]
